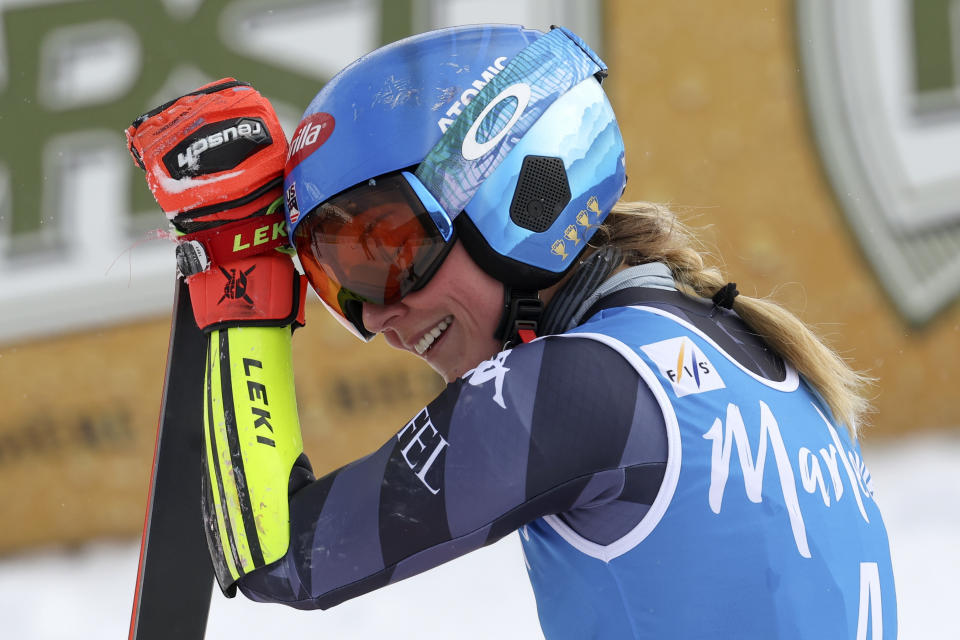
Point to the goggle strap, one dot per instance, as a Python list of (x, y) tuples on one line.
[(545, 69)]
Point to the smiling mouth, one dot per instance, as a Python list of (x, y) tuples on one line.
[(430, 337)]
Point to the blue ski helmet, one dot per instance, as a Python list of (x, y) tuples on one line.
[(501, 132)]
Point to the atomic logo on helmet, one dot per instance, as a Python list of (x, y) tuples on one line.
[(472, 148)]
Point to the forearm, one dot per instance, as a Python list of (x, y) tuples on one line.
[(477, 463), (251, 438), (245, 293)]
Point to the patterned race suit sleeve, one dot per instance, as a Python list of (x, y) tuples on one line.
[(558, 426)]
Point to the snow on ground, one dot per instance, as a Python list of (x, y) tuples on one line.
[(88, 593)]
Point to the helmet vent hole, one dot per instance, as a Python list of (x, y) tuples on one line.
[(542, 193)]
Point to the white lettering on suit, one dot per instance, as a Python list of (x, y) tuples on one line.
[(487, 370), (830, 459), (434, 441), (723, 433), (855, 485), (811, 476), (723, 436)]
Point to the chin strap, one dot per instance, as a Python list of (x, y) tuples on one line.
[(523, 313), (521, 316)]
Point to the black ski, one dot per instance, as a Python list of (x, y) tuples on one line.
[(175, 575)]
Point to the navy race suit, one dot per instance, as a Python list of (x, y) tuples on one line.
[(576, 441)]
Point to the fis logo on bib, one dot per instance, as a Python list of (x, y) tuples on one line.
[(684, 366)]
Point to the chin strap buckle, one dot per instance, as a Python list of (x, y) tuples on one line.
[(521, 316), (527, 335)]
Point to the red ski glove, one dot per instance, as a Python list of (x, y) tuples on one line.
[(214, 162)]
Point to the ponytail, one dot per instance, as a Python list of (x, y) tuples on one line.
[(647, 232)]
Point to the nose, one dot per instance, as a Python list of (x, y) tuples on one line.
[(377, 317)]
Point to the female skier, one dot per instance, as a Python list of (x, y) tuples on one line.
[(681, 460)]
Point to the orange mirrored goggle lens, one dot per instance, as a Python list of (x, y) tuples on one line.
[(374, 243)]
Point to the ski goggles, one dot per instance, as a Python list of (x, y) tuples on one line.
[(375, 242)]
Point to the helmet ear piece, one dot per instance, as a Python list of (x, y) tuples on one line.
[(542, 193), (537, 211)]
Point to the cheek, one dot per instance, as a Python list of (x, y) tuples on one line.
[(485, 306), (487, 318), (467, 349), (472, 336)]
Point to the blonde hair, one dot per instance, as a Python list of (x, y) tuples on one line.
[(648, 232)]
